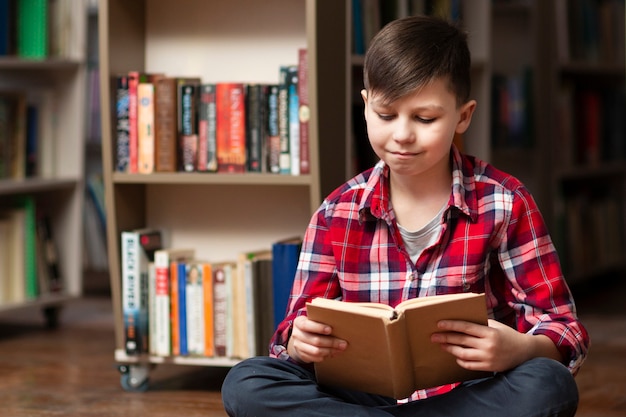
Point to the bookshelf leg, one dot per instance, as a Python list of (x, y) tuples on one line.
[(134, 378), (51, 315)]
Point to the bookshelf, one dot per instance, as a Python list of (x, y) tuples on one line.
[(220, 215), (53, 83)]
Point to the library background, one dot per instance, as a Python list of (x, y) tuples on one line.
[(179, 151)]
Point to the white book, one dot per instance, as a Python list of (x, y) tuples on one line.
[(161, 306)]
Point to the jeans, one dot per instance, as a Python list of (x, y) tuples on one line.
[(268, 387)]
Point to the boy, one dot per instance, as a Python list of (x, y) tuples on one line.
[(426, 220)]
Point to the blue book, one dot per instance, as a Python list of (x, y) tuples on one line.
[(182, 308), (5, 27), (285, 255)]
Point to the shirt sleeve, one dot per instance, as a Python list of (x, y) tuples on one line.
[(538, 291), (316, 276)]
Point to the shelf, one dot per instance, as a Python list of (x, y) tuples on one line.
[(211, 178), (122, 357), (50, 64), (42, 301), (34, 185)]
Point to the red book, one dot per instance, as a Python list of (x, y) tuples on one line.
[(133, 131), (303, 112), (231, 128)]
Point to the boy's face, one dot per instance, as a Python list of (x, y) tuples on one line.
[(413, 134)]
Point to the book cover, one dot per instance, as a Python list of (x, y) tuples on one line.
[(122, 124), (174, 307), (145, 128), (207, 123), (294, 119), (231, 128), (209, 321), (32, 29), (257, 270), (285, 255), (272, 142), (162, 315), (255, 97), (133, 132), (138, 247), (165, 123), (194, 298), (399, 340), (187, 116), (284, 160), (181, 274), (304, 113), (220, 308)]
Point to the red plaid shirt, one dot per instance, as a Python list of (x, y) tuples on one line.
[(493, 240)]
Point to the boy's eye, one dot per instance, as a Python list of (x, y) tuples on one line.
[(425, 119), (385, 117)]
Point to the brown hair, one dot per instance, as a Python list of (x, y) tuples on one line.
[(409, 53)]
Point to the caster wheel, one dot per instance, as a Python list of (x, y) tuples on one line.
[(134, 378)]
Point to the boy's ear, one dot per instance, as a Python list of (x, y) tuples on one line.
[(466, 113), (364, 97)]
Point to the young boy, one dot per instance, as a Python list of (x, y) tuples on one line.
[(426, 220)]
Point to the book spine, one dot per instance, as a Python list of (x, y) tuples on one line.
[(207, 287), (133, 83), (220, 309), (32, 28), (145, 128), (165, 135), (254, 124), (304, 112), (273, 136), (174, 309), (182, 308), (152, 324), (284, 263), (207, 158), (231, 128), (283, 120), (189, 128), (122, 108), (294, 119), (195, 309), (130, 291), (161, 327)]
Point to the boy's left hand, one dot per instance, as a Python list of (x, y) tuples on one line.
[(492, 348)]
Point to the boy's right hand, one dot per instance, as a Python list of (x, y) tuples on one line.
[(311, 341)]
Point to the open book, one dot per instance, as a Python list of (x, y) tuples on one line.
[(389, 350)]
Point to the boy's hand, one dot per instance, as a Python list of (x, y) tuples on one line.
[(310, 341), (492, 348)]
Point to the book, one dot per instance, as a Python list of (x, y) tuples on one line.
[(389, 349), (284, 160), (32, 29), (194, 307), (145, 127), (122, 124), (133, 132), (138, 247), (272, 142), (231, 128), (207, 124), (294, 119), (255, 97), (285, 254), (165, 123), (220, 307), (162, 314), (188, 128), (304, 112)]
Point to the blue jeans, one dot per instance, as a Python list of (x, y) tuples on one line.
[(264, 386)]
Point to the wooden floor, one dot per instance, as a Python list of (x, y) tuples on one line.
[(70, 371)]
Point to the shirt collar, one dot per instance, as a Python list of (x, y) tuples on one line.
[(375, 199)]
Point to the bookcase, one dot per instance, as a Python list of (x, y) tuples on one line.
[(220, 215), (52, 83)]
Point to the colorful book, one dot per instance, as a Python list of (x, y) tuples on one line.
[(231, 128), (32, 29), (294, 119), (145, 128), (207, 123), (304, 113), (272, 142), (122, 124), (181, 276), (255, 113), (283, 120), (220, 308), (194, 298), (162, 314), (133, 132), (285, 255), (188, 130), (138, 247)]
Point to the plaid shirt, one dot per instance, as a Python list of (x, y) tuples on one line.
[(493, 240)]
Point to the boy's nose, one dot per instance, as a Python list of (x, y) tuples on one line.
[(402, 131)]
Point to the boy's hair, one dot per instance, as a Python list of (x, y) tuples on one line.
[(409, 53)]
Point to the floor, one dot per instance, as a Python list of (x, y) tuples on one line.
[(69, 371)]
